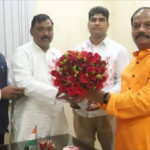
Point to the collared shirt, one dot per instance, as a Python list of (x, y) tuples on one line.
[(116, 58)]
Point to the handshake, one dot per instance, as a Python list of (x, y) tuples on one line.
[(92, 96)]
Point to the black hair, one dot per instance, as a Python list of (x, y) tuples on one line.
[(99, 10), (139, 9), (39, 18)]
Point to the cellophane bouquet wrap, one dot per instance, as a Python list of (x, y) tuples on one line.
[(77, 72)]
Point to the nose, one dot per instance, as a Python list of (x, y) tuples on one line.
[(142, 28), (97, 21), (46, 32)]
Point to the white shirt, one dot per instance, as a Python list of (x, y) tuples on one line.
[(116, 58), (31, 70)]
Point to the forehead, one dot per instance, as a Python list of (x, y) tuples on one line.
[(143, 15), (44, 23), (99, 15)]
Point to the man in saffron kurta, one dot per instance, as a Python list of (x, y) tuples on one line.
[(132, 105)]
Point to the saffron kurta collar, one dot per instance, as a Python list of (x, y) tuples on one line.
[(141, 53)]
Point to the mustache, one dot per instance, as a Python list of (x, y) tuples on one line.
[(142, 35), (45, 37)]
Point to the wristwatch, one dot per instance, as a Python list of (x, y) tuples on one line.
[(106, 98)]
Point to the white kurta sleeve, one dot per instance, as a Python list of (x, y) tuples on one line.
[(22, 67)]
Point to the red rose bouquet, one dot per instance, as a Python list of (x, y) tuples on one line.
[(77, 72)]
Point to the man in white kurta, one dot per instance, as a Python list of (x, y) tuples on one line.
[(32, 64)]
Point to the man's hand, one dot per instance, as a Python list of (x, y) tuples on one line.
[(74, 105), (95, 96), (72, 100), (11, 92), (69, 98)]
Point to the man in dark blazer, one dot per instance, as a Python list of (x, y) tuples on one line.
[(6, 92)]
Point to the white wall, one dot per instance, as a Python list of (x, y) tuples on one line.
[(71, 16), (70, 19)]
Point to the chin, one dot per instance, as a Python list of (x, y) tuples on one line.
[(44, 48), (143, 46)]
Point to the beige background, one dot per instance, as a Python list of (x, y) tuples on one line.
[(70, 19), (71, 16)]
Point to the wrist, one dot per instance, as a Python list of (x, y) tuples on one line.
[(106, 97)]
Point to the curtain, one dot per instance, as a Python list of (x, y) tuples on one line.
[(15, 20)]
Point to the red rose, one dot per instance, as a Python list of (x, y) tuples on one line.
[(84, 54), (57, 82), (103, 63), (80, 91), (93, 77), (104, 78), (89, 55), (71, 91), (97, 57), (71, 78), (62, 88), (89, 70), (98, 70), (55, 73), (83, 78), (99, 86), (90, 85), (103, 70)]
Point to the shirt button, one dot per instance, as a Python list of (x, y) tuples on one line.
[(133, 76), (129, 88), (137, 62)]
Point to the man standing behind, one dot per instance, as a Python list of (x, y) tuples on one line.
[(6, 92), (88, 124), (31, 66), (132, 105)]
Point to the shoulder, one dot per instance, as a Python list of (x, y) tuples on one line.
[(115, 44), (81, 46), (116, 47), (55, 52), (24, 49), (52, 49), (23, 52), (25, 46), (1, 55), (2, 58)]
